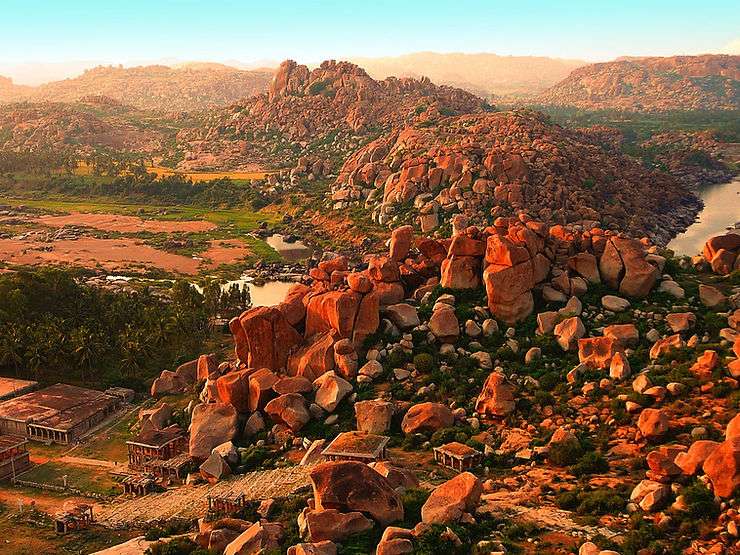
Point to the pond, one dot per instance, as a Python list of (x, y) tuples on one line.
[(721, 210), (291, 251), (266, 293)]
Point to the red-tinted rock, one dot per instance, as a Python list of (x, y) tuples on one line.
[(653, 423), (269, 337), (722, 467), (401, 241), (353, 486), (290, 409), (210, 426), (334, 310), (427, 417), (597, 352), (496, 399), (233, 388), (449, 501)]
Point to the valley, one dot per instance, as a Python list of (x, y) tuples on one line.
[(383, 305)]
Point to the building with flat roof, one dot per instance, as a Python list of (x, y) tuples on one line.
[(12, 387), (60, 413), (356, 446), (457, 456), (159, 452)]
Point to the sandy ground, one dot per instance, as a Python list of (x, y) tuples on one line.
[(117, 255), (89, 252), (225, 251), (124, 224)]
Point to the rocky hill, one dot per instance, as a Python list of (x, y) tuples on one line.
[(155, 87), (487, 165), (96, 123), (484, 74), (330, 109), (9, 91), (708, 82)]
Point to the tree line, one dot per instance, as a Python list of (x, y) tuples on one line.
[(54, 328)]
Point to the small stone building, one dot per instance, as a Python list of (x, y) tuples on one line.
[(14, 457), (60, 413), (150, 449), (228, 503), (457, 456), (73, 517), (356, 446)]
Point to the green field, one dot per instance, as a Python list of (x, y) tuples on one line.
[(86, 479)]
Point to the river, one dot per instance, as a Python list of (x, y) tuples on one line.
[(721, 210)]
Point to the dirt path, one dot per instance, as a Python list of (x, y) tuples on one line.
[(192, 502)]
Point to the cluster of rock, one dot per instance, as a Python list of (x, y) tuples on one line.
[(44, 126), (722, 253), (695, 158), (490, 165), (324, 110), (706, 82)]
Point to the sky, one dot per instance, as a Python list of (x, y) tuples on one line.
[(69, 33)]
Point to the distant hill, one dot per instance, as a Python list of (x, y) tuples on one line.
[(328, 110), (10, 92), (156, 87), (707, 82), (482, 74)]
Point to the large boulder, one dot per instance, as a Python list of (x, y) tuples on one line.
[(401, 240), (444, 324), (509, 290), (332, 525), (167, 383), (460, 272), (211, 425), (233, 389), (333, 310), (568, 332), (597, 352), (496, 399), (403, 315), (330, 390), (261, 537), (290, 409), (214, 468), (427, 417), (692, 461), (653, 423), (353, 486), (374, 416), (449, 501), (315, 358), (266, 337), (292, 306), (722, 467), (261, 385)]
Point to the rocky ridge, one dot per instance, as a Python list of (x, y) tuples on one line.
[(488, 165), (707, 82), (155, 87), (327, 110)]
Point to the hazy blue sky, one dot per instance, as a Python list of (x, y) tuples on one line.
[(126, 31)]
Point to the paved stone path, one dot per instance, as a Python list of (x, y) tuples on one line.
[(189, 502)]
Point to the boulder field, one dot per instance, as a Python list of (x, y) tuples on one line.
[(567, 358)]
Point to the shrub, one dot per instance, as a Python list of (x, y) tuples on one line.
[(424, 362), (565, 453), (445, 435), (700, 502), (413, 500), (592, 462)]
